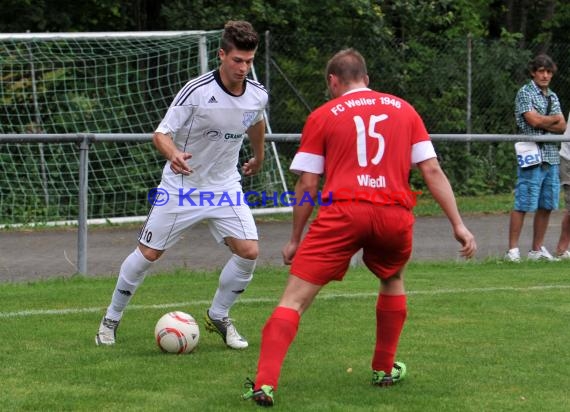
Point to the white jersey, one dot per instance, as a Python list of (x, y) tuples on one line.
[(209, 122)]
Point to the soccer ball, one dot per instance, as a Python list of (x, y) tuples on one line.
[(177, 332)]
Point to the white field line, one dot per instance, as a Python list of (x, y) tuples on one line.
[(322, 296)]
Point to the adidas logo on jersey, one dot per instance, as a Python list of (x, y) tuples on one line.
[(212, 100)]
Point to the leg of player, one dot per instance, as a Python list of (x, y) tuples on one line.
[(277, 336), (131, 275), (234, 279), (391, 311)]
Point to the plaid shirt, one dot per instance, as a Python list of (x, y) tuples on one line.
[(530, 97)]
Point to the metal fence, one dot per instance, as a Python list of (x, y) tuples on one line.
[(463, 88), (462, 85), (84, 142)]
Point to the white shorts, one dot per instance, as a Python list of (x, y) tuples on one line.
[(166, 223)]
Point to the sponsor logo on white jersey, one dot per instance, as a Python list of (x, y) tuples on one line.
[(248, 118), (213, 135)]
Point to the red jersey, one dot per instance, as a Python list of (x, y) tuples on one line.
[(365, 143)]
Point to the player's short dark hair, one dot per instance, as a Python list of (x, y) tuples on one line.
[(239, 34), (348, 65), (542, 60)]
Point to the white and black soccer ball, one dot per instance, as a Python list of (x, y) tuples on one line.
[(177, 332)]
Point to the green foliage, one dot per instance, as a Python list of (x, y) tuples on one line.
[(68, 15), (415, 49)]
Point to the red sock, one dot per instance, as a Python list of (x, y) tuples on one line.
[(277, 335), (390, 317)]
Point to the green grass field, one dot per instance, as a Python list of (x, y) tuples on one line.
[(484, 336)]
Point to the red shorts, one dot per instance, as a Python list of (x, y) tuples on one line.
[(340, 230)]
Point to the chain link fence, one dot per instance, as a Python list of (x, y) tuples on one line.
[(460, 85)]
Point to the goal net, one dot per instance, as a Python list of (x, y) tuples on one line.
[(101, 83)]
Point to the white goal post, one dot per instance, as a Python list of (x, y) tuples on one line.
[(60, 85), (97, 83)]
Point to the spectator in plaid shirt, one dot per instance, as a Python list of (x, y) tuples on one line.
[(537, 112)]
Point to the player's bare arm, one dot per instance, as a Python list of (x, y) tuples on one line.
[(256, 135), (177, 158), (551, 123), (307, 183), (441, 190)]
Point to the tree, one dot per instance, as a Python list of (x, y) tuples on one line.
[(76, 16)]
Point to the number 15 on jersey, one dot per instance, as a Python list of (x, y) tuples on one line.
[(361, 135)]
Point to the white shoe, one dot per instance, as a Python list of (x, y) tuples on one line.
[(107, 332), (513, 255), (226, 329), (564, 255), (542, 254)]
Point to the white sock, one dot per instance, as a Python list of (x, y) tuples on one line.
[(235, 276), (131, 275)]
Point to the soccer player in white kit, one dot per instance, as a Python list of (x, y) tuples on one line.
[(201, 136)]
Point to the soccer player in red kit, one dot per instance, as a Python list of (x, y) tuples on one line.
[(364, 143)]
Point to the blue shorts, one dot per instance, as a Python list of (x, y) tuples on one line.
[(537, 188)]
